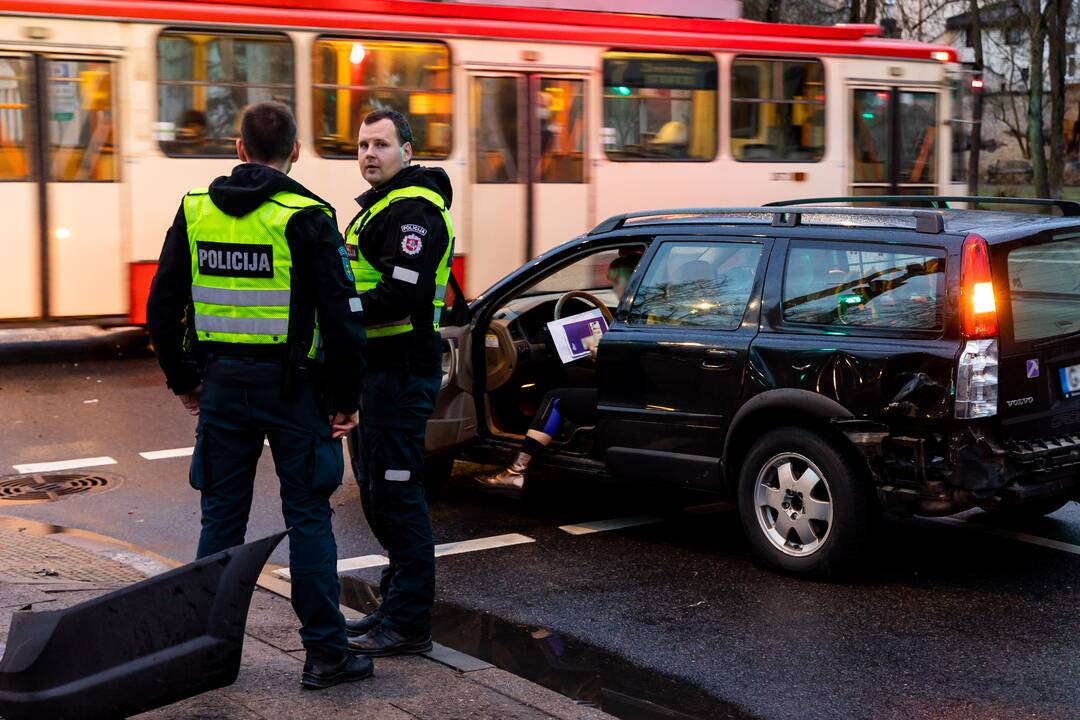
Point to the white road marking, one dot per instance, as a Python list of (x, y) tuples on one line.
[(613, 524), (63, 465), (488, 543), (162, 454), (453, 548), (1011, 534), (356, 563)]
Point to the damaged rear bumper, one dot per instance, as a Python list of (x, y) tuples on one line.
[(936, 475)]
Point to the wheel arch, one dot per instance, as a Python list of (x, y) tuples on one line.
[(776, 408)]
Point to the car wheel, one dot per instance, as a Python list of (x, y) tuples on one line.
[(437, 472), (1028, 511), (805, 507)]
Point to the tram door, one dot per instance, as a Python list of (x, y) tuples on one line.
[(529, 170), (60, 244), (894, 141)]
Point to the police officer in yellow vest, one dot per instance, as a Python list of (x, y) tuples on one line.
[(400, 244), (254, 282)]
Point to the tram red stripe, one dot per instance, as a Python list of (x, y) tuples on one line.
[(502, 23)]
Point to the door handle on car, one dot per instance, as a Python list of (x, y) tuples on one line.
[(717, 359)]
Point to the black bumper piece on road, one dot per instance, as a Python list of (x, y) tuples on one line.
[(158, 641)]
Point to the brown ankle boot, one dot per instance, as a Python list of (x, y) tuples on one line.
[(510, 480)]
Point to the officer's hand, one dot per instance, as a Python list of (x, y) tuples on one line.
[(342, 424), (191, 400)]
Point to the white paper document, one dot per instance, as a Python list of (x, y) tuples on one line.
[(574, 335)]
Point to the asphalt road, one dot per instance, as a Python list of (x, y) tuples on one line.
[(962, 619)]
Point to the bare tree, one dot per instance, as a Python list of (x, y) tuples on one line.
[(870, 12), (855, 12), (1008, 104), (1036, 26), (925, 20), (1057, 20), (975, 133), (774, 10)]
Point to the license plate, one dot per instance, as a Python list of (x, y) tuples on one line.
[(1070, 380)]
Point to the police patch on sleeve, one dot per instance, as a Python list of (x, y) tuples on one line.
[(417, 229), (412, 245), (345, 261)]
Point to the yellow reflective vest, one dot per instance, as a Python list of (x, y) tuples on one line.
[(241, 268), (367, 276)]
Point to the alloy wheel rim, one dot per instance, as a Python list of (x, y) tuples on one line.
[(793, 504)]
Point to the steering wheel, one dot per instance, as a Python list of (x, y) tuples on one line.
[(587, 297), (500, 355)]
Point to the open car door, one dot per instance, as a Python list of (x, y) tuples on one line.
[(454, 421)]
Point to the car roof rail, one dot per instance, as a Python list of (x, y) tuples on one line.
[(926, 221), (1068, 208)]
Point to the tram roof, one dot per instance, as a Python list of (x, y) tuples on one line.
[(616, 30)]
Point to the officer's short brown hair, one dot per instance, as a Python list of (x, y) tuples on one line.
[(268, 130), (401, 123)]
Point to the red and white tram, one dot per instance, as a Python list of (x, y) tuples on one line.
[(546, 120)]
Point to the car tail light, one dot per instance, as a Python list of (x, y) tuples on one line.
[(977, 380), (978, 308), (977, 370)]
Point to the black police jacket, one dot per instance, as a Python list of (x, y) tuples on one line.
[(391, 241), (322, 282)]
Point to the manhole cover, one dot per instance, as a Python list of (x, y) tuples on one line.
[(46, 487)]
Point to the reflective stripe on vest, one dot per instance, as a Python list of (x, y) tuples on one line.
[(241, 269), (367, 276)]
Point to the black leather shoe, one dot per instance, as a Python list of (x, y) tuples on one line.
[(362, 625), (381, 641), (321, 673)]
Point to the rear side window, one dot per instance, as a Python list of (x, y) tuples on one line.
[(1044, 286), (864, 286), (700, 284)]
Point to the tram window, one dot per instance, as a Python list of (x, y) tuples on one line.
[(205, 80), (659, 106), (353, 77), (81, 132), (918, 139), (560, 117), (962, 101), (496, 147), (15, 118), (871, 129), (777, 110)]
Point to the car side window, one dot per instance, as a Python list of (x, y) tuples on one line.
[(697, 284), (863, 285)]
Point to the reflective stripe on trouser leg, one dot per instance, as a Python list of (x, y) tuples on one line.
[(396, 407), (400, 513)]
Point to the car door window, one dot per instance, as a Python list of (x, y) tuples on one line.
[(864, 286), (697, 284)]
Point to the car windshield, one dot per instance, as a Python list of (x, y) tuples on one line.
[(1044, 286)]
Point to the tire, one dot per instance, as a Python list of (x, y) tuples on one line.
[(834, 512), (437, 472), (1032, 510)]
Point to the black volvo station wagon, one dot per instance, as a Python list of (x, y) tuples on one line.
[(818, 365)]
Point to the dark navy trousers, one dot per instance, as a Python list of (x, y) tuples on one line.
[(242, 404), (388, 459)]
